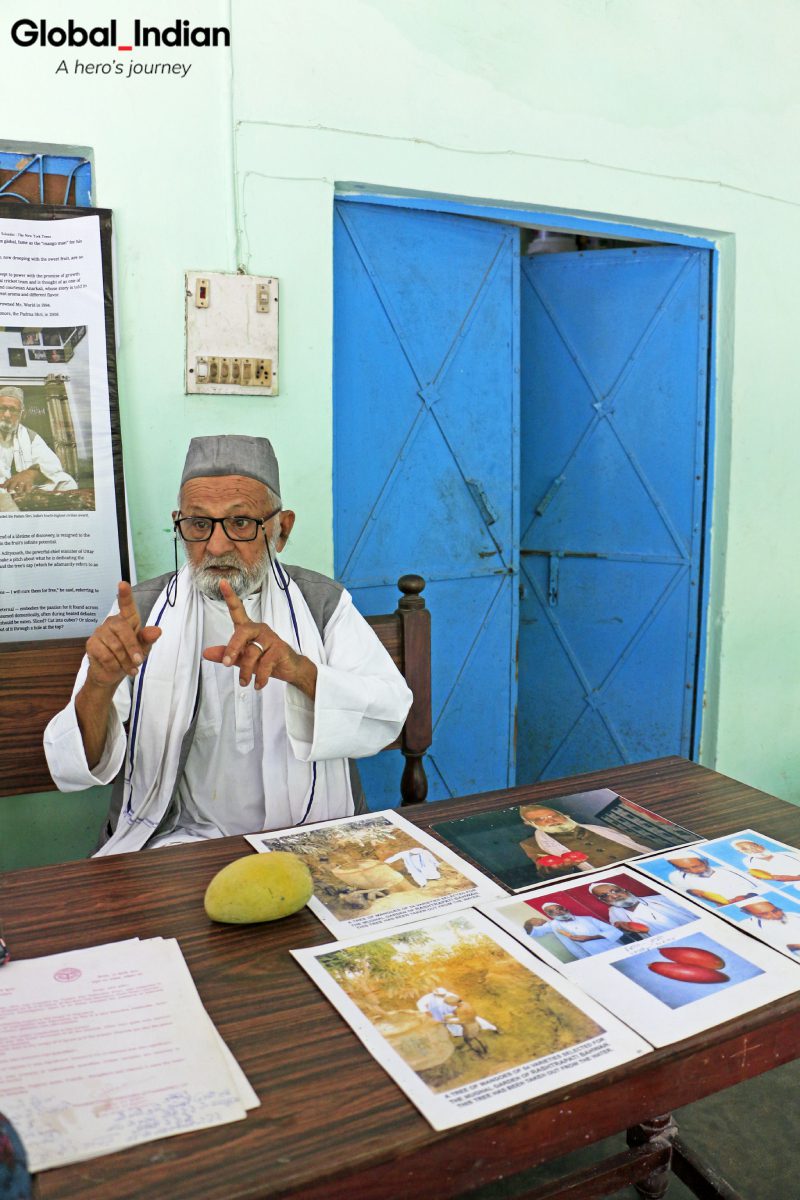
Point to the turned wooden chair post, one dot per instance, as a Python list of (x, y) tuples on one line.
[(418, 731)]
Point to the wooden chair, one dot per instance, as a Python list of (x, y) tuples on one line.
[(406, 634), (36, 680)]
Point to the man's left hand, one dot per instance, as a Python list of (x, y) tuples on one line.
[(259, 653)]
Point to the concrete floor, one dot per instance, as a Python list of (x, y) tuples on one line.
[(749, 1134)]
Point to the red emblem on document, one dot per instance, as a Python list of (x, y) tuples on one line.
[(67, 974)]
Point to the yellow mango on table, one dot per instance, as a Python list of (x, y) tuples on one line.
[(259, 887)]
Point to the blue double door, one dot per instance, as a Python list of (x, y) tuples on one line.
[(529, 435)]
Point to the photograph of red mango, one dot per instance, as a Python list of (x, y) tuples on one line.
[(688, 974), (691, 965)]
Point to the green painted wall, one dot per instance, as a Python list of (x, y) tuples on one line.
[(662, 112)]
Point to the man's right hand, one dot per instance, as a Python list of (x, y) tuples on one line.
[(117, 648), (120, 645)]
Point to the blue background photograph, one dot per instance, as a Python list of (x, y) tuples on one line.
[(784, 900), (723, 850), (676, 993)]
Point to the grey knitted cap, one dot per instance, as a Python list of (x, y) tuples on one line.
[(233, 454)]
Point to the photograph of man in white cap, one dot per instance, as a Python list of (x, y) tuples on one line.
[(582, 935), (247, 685), (708, 882), (776, 866), (780, 927), (26, 461), (639, 916)]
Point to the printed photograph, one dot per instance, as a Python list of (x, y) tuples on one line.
[(369, 866), (694, 873), (539, 842), (578, 921), (773, 917), (46, 458), (765, 859), (684, 972), (594, 918), (454, 1005)]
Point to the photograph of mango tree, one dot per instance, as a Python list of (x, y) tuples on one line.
[(455, 1005)]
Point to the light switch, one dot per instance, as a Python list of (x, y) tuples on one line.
[(201, 290), (230, 349)]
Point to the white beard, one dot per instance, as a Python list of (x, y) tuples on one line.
[(243, 579)]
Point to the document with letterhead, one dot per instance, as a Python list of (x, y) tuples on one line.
[(108, 1047)]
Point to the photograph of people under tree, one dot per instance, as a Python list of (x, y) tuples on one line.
[(454, 1004)]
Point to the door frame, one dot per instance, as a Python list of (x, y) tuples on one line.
[(715, 243)]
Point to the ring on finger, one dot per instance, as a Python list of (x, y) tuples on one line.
[(255, 643)]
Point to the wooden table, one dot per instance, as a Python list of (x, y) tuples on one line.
[(331, 1122)]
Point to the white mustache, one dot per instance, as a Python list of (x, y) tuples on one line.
[(229, 559)]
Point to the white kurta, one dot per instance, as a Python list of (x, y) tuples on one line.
[(656, 914), (779, 863), (604, 937), (719, 882), (221, 791), (30, 450), (420, 864), (782, 934), (360, 704)]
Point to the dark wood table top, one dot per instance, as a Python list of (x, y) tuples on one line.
[(331, 1123)]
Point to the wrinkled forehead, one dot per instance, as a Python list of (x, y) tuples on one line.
[(10, 402), (217, 494)]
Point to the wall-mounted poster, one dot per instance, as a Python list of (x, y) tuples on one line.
[(62, 509)]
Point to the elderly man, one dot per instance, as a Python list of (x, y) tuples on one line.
[(776, 866), (707, 882), (556, 834), (26, 461), (582, 936), (773, 924), (205, 755), (637, 916)]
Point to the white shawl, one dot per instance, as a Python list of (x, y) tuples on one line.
[(163, 704)]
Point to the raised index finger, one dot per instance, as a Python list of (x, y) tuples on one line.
[(127, 604), (234, 603)]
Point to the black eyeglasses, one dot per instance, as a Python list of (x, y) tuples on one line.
[(238, 529)]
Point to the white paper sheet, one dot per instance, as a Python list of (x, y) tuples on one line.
[(108, 1047), (378, 871), (516, 1031), (64, 561), (768, 872), (664, 966)]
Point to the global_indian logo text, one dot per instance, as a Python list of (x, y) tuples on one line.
[(26, 32)]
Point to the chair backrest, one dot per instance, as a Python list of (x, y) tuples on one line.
[(406, 634), (36, 680)]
